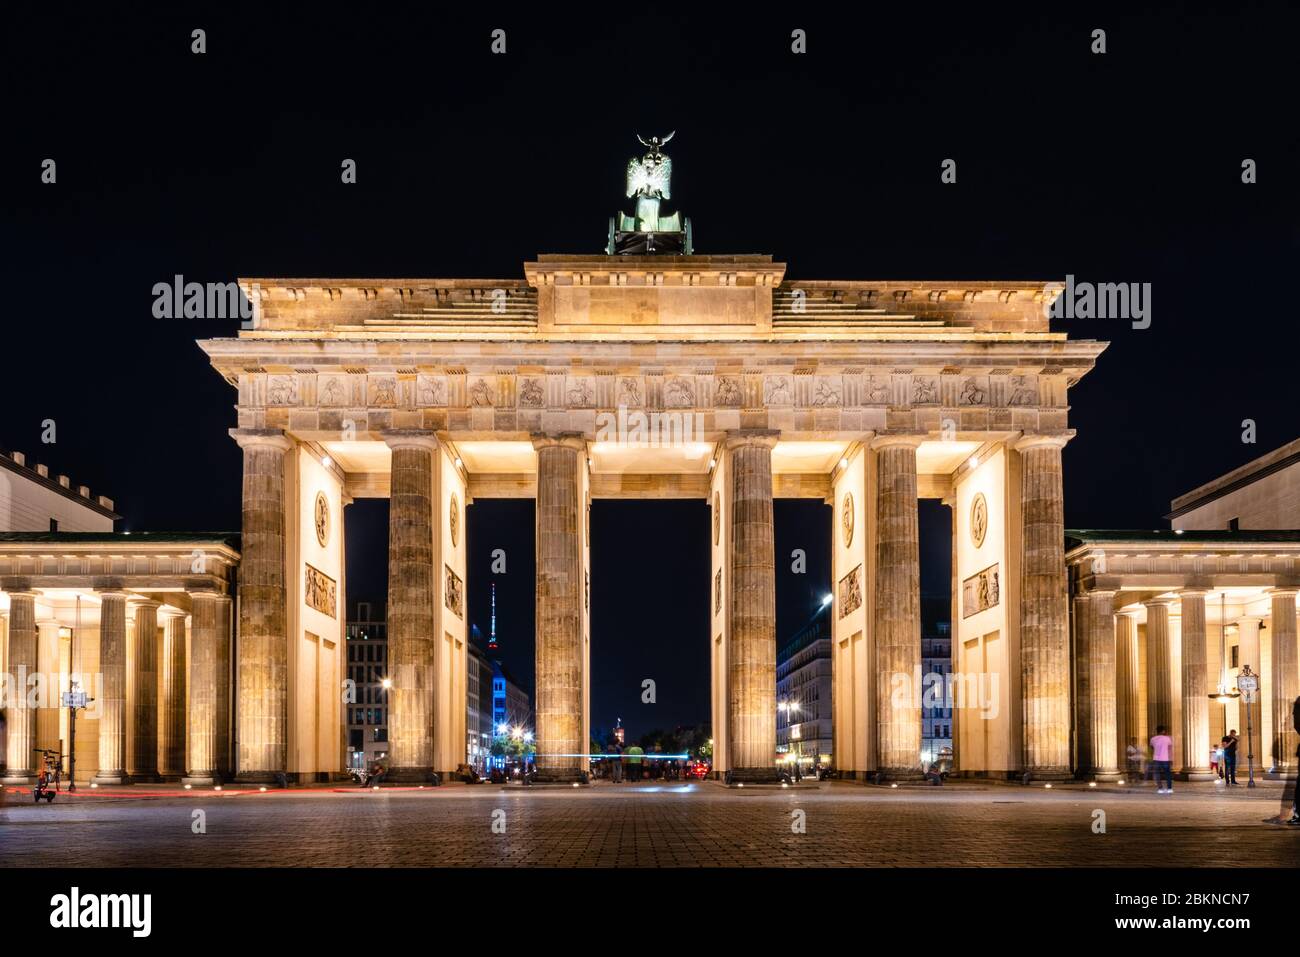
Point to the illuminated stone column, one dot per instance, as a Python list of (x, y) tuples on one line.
[(1285, 682), (1248, 653), (411, 641), (262, 712), (225, 761), (751, 607), (1160, 668), (1195, 743), (171, 709), (559, 603), (1100, 732), (143, 763), (112, 691), (1044, 625), (1127, 692), (202, 764), (897, 607), (21, 662)]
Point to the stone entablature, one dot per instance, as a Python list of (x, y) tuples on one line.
[(1163, 560), (137, 563)]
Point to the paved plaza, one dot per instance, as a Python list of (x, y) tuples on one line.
[(669, 825)]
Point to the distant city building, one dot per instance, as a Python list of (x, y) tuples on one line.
[(1262, 494), (32, 501), (936, 659), (478, 704), (367, 714), (511, 704), (803, 693)]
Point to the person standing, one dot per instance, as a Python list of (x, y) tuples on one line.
[(1230, 742), (1133, 760), (616, 765), (1162, 755)]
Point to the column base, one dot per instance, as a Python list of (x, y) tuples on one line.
[(753, 776), (1195, 774), (1046, 775), (262, 777), (411, 776), (111, 778), (1104, 777), (19, 777), (896, 776), (201, 779), (559, 776)]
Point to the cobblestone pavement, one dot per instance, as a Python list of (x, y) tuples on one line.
[(676, 825)]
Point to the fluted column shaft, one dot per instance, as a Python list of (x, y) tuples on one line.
[(1196, 689), (171, 723), (1160, 668), (225, 762), (143, 763), (411, 641), (1285, 681), (21, 727), (897, 607), (559, 604), (751, 610), (112, 691), (1127, 693), (1044, 626), (263, 638), (1101, 731), (201, 757)]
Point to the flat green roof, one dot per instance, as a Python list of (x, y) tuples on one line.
[(1085, 536), (126, 538)]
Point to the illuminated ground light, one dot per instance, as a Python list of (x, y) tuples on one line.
[(1120, 781), (217, 788), (188, 787), (262, 788), (93, 784), (1092, 784), (894, 785), (1048, 786)]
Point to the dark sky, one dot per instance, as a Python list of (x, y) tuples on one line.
[(1123, 167)]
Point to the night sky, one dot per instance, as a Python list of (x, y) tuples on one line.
[(1122, 167)]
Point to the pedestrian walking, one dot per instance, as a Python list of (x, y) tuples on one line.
[(1162, 755), (1290, 814)]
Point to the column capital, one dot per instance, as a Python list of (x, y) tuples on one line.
[(895, 440), (764, 438), (1247, 620), (1167, 602), (269, 438), (139, 601), (207, 595), (1286, 591), (1038, 440), (112, 591), (171, 611), (1194, 591), (411, 439), (566, 440)]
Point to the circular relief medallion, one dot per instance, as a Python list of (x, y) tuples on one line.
[(322, 516), (717, 518), (453, 519), (846, 518), (979, 519)]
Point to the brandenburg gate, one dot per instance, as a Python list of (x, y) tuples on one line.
[(658, 375)]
